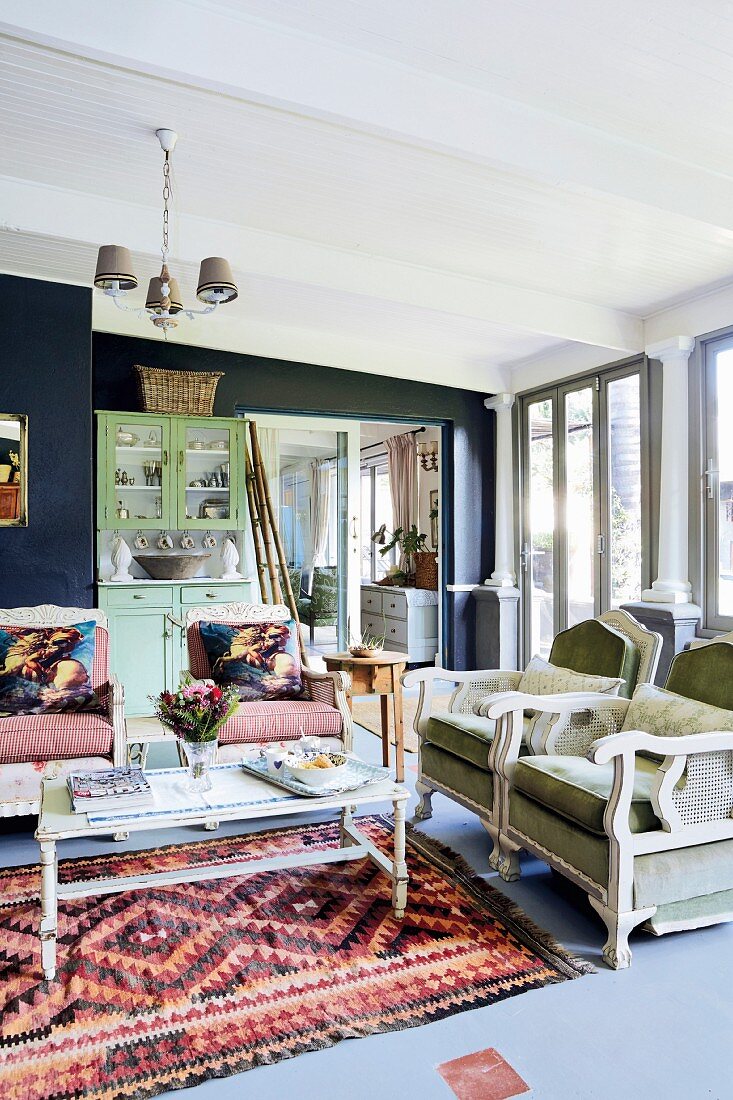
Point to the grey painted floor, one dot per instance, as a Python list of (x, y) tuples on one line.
[(659, 1031)]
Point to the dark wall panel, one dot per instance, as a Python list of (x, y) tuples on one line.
[(272, 384), (45, 372)]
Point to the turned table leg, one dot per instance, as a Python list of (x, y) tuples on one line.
[(49, 908), (399, 869)]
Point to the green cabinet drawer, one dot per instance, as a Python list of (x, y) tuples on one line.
[(138, 597), (199, 595)]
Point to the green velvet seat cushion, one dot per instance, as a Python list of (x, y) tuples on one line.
[(466, 736), (583, 850), (597, 649), (472, 782), (578, 790)]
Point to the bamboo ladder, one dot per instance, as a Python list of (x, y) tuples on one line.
[(265, 535)]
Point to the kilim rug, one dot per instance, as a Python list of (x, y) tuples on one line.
[(163, 988)]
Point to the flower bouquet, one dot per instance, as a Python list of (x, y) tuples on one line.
[(195, 713)]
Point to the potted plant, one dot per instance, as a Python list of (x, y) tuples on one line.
[(414, 546), (196, 713)]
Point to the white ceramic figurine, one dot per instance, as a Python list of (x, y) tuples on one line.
[(229, 560), (121, 560)]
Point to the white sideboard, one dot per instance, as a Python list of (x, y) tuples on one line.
[(409, 616)]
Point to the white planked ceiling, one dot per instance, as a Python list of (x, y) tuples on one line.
[(650, 81)]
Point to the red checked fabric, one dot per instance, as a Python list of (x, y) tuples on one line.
[(27, 737), (100, 666), (276, 720)]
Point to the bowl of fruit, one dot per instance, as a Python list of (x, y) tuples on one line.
[(317, 769)]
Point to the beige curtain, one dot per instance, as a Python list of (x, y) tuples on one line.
[(320, 513), (402, 463)]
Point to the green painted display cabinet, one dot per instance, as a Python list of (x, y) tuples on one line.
[(170, 472), (165, 473)]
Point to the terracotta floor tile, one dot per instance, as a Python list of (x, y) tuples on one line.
[(484, 1075)]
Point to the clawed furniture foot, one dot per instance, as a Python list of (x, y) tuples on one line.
[(616, 950), (424, 808)]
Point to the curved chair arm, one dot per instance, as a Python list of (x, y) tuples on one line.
[(471, 687), (694, 784), (565, 702), (332, 688), (119, 725)]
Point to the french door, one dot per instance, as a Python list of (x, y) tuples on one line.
[(312, 464), (584, 501)]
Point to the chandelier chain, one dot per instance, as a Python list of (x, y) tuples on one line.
[(167, 190)]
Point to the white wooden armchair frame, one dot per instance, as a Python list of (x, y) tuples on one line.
[(330, 687), (51, 615), (698, 812), (473, 694)]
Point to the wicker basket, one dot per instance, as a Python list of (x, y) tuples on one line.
[(426, 570), (183, 392)]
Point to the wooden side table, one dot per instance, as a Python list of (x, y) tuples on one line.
[(378, 675)]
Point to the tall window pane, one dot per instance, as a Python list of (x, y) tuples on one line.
[(541, 527), (579, 504), (624, 464), (724, 440)]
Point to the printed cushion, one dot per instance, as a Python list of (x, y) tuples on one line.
[(47, 669), (26, 737), (260, 659), (542, 678), (661, 712), (289, 720)]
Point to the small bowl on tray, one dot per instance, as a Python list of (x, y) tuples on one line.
[(306, 768)]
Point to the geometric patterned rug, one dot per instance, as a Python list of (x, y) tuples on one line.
[(163, 988)]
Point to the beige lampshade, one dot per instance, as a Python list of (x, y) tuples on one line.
[(216, 283), (114, 268), (154, 295)]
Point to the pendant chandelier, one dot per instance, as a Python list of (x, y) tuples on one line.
[(115, 276)]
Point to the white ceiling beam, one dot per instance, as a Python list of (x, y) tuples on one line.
[(71, 215), (260, 62)]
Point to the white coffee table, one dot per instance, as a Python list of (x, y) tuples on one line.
[(236, 796)]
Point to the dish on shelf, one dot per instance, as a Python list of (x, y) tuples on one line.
[(126, 439), (196, 445), (213, 509)]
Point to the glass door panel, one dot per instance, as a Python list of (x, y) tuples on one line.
[(540, 545), (579, 507), (719, 487), (207, 466), (312, 466), (624, 503), (138, 473)]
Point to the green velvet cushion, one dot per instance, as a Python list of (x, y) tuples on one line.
[(579, 791), (464, 735), (705, 674), (460, 776), (581, 849), (595, 648)]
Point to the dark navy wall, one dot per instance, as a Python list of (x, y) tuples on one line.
[(272, 384), (45, 372)]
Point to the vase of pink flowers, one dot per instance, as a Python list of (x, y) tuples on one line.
[(196, 713)]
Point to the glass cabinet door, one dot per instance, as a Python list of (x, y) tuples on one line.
[(137, 472), (207, 474)]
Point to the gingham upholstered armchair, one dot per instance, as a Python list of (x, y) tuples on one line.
[(642, 822), (37, 745), (324, 712), (455, 755)]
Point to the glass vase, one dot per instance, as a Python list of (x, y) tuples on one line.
[(200, 756)]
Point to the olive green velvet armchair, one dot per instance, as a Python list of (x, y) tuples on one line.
[(454, 756), (643, 822)]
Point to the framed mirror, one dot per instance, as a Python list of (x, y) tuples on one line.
[(13, 470)]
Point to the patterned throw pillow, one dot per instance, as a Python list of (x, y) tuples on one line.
[(542, 678), (261, 659), (656, 710), (47, 669)]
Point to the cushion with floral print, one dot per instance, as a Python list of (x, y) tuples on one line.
[(661, 712), (542, 678)]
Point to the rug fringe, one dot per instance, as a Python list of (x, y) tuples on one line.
[(454, 864)]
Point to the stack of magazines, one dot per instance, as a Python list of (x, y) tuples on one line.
[(113, 789)]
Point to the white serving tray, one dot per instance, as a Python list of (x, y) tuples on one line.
[(357, 774)]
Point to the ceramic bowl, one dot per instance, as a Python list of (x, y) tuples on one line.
[(365, 650), (171, 567), (317, 777)]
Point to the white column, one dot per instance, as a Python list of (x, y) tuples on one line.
[(672, 584), (503, 575)]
